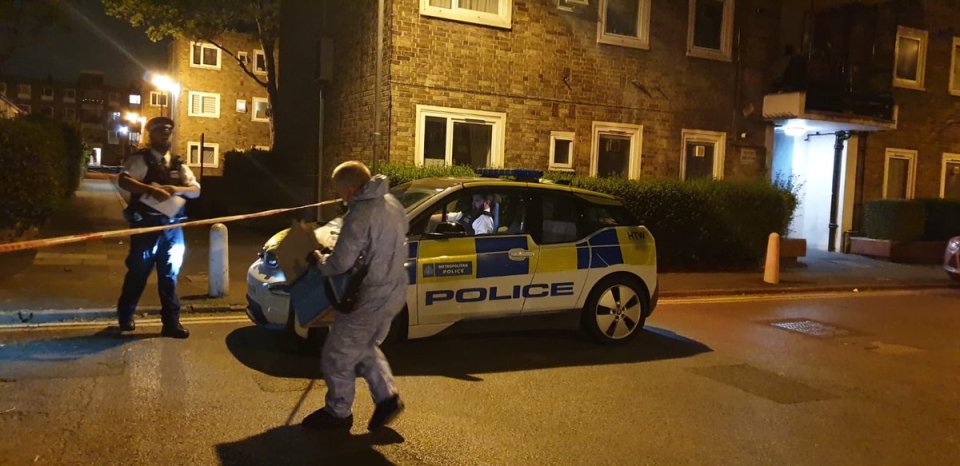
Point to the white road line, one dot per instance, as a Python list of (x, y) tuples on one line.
[(792, 297)]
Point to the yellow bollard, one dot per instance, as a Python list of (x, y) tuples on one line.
[(771, 270)]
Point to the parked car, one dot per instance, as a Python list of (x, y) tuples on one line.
[(551, 248), (951, 258)]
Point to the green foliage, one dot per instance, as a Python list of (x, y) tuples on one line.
[(895, 220), (403, 173), (942, 219), (42, 162)]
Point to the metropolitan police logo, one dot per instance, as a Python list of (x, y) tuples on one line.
[(428, 270)]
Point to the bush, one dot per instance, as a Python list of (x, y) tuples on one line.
[(697, 225), (894, 220), (42, 162), (942, 219)]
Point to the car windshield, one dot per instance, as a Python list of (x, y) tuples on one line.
[(411, 196)]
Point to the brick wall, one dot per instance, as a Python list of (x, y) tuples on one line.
[(521, 71), (233, 129), (929, 120)]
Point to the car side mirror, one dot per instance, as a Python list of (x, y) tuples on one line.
[(449, 230)]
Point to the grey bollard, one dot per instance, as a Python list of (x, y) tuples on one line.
[(219, 261)]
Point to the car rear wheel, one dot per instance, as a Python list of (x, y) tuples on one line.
[(615, 310)]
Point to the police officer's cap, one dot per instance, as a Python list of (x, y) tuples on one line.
[(158, 123)]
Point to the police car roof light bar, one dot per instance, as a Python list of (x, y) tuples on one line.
[(517, 173)]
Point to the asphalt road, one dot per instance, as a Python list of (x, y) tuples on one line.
[(818, 379)]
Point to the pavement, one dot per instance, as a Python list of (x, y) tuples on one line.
[(81, 281)]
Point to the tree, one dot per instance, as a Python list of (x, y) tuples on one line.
[(22, 21), (207, 21)]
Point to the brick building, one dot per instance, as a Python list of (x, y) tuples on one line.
[(95, 107), (639, 89), (216, 102)]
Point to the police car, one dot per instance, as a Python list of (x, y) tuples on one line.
[(491, 247)]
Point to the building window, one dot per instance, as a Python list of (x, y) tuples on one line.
[(158, 99), (26, 108), (204, 56), (571, 5), (955, 67), (244, 58), (113, 137), (625, 23), (46, 93), (703, 154), (204, 104), (710, 29), (23, 91), (211, 152), (69, 114), (453, 136), (911, 58), (259, 62), (261, 109), (69, 95), (899, 174), (561, 150), (495, 13), (241, 106), (616, 150), (134, 137), (950, 177), (134, 99)]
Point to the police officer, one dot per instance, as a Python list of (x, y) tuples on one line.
[(153, 172), (373, 234)]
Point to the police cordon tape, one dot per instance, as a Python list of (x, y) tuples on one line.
[(47, 242)]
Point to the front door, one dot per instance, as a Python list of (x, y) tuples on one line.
[(484, 272)]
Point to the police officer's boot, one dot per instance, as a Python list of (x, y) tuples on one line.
[(174, 331)]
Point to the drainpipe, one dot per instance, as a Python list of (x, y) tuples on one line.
[(320, 151), (376, 91), (835, 192)]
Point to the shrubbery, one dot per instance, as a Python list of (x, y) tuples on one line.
[(697, 225), (912, 220), (41, 164)]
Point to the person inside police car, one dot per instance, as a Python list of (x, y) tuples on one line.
[(372, 238), (483, 223), (153, 172)]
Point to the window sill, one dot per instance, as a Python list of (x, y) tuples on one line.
[(482, 19), (912, 85), (624, 41), (709, 54)]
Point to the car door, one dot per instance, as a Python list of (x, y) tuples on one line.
[(564, 258), (476, 273)]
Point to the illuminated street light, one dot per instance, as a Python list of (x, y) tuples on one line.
[(132, 117), (166, 85), (123, 130)]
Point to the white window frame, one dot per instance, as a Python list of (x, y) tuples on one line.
[(954, 62), (135, 99), (717, 138), (159, 96), (561, 136), (253, 65), (253, 109), (243, 57), (205, 45), (216, 153), (70, 95), (193, 94), (640, 41), (947, 158), (497, 119), (726, 34), (905, 154), (618, 129), (20, 93), (911, 33), (43, 93), (241, 106), (501, 20)]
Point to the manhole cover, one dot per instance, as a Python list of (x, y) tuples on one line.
[(813, 328)]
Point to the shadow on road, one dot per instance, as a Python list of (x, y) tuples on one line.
[(68, 349), (292, 445), (462, 356)]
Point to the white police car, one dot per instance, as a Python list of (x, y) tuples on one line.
[(490, 247)]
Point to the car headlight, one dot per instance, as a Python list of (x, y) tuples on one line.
[(269, 257), (954, 245)]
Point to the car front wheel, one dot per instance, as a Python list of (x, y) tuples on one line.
[(615, 310)]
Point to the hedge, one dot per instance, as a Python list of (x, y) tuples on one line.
[(41, 164), (912, 220), (698, 225)]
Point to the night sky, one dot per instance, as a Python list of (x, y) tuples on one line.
[(62, 54)]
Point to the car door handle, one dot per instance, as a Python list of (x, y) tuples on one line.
[(518, 254)]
